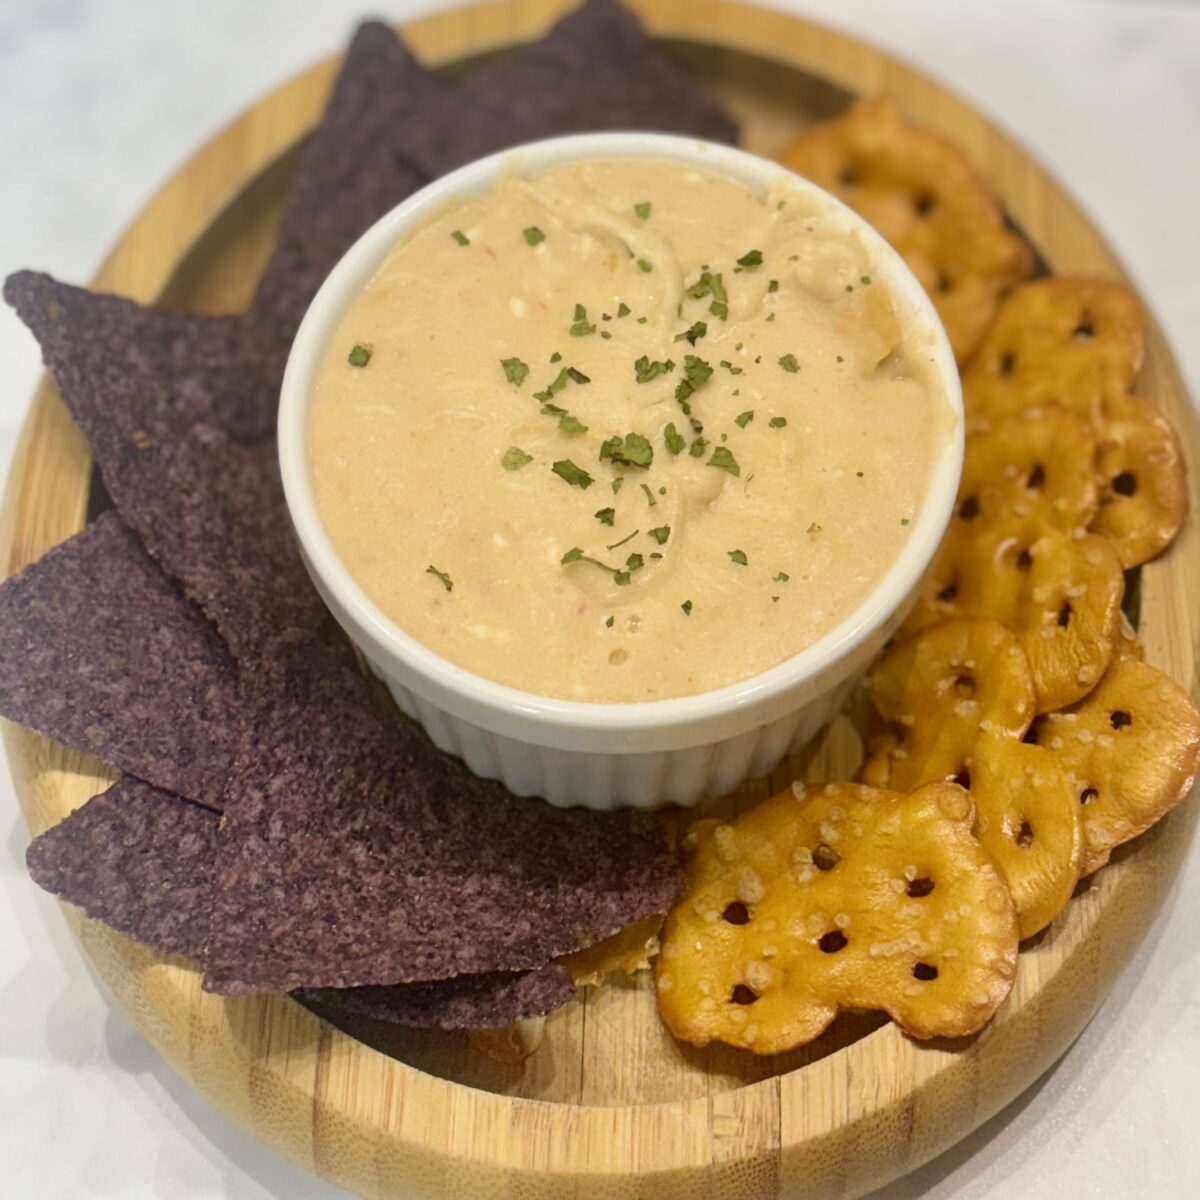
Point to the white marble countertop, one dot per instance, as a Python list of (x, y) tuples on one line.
[(101, 99)]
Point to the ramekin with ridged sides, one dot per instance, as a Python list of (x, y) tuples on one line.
[(643, 754)]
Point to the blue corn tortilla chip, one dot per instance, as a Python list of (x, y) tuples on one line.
[(464, 1002), (354, 853), (141, 860), (209, 509), (99, 650), (138, 859), (595, 70)]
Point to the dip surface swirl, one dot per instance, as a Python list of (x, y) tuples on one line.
[(624, 432)]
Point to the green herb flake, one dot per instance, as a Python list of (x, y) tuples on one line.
[(461, 238), (609, 623), (581, 326), (616, 484), (556, 357), (660, 534), (739, 557), (552, 389), (625, 539), (447, 582), (606, 516), (635, 562), (515, 458), (840, 359), (790, 364), (569, 424), (692, 335), (643, 210), (532, 234), (781, 577), (642, 320), (696, 374), (687, 608), (623, 309), (649, 495), (777, 422), (722, 458), (770, 316), (621, 578), (903, 520), (643, 265), (674, 439), (773, 286), (633, 450), (578, 376), (645, 370), (752, 258), (864, 279), (858, 474), (744, 419), (572, 555), (515, 371), (606, 335), (576, 476), (360, 355), (698, 448), (711, 285)]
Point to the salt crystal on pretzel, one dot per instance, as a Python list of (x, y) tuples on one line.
[(1131, 748), (1073, 341), (1145, 483), (927, 199), (839, 897), (1060, 594)]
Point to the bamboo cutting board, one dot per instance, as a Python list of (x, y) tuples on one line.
[(609, 1106)]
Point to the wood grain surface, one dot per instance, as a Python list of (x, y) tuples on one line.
[(609, 1106)]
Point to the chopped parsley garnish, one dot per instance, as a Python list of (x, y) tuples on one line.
[(645, 370), (625, 539), (649, 495), (731, 368), (687, 608), (581, 326), (660, 534), (674, 439), (782, 577), (643, 209), (770, 316), (635, 562), (858, 474), (606, 516), (515, 458), (605, 334), (813, 528), (744, 419), (461, 238), (569, 424), (698, 447), (551, 390), (692, 335), (840, 358), (711, 285), (773, 286), (623, 309), (696, 374), (360, 355), (752, 258), (722, 457), (864, 279), (533, 235), (616, 484), (739, 557), (642, 320), (447, 582), (515, 370), (643, 265), (556, 357), (777, 422), (903, 520), (633, 450), (609, 623), (566, 470), (578, 376), (790, 363), (575, 554)]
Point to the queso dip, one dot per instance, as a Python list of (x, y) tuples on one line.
[(624, 432)]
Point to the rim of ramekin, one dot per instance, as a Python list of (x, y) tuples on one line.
[(497, 706)]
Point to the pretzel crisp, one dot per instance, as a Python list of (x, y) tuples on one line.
[(956, 700), (837, 897), (1030, 472), (927, 199), (1061, 595), (1131, 749), (1145, 485), (1071, 341)]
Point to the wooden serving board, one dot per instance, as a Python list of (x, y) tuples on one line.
[(609, 1106)]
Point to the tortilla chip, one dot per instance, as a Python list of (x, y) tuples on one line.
[(209, 509), (353, 170), (138, 859), (412, 868), (100, 651), (465, 1002), (595, 70)]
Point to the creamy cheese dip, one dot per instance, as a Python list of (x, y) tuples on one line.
[(624, 432)]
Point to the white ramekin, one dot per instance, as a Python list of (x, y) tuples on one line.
[(606, 755)]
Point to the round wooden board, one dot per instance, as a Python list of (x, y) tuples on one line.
[(609, 1106)]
